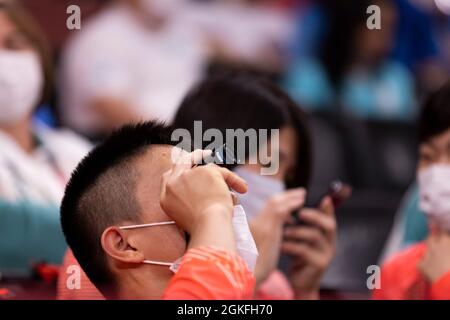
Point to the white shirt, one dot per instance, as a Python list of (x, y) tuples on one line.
[(244, 31), (117, 56), (39, 177)]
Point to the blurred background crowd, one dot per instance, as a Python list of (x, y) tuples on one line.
[(136, 59)]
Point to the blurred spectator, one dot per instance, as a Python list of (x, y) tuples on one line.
[(352, 69), (308, 29), (35, 161), (418, 43), (421, 38), (135, 60), (245, 102), (422, 271), (246, 33)]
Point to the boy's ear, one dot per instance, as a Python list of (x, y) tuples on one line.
[(115, 243)]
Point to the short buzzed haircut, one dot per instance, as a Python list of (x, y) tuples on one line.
[(102, 193)]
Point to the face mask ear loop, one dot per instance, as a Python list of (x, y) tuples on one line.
[(167, 264), (136, 226)]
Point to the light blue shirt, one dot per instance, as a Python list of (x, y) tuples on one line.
[(387, 93)]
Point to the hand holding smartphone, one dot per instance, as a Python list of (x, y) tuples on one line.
[(338, 191)]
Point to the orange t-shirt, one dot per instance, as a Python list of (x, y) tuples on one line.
[(205, 273), (401, 279), (211, 273)]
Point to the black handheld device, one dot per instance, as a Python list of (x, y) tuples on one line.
[(338, 191)]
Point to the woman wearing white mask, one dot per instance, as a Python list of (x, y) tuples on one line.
[(35, 162), (422, 271), (238, 101)]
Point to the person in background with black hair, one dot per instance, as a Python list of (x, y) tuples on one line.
[(240, 101), (352, 69), (128, 208), (422, 271)]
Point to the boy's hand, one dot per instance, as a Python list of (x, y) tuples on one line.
[(436, 261), (199, 200)]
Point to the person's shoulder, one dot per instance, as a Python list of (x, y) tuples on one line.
[(405, 258), (399, 273)]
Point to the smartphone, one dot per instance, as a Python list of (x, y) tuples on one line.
[(225, 155), (338, 191), (222, 156)]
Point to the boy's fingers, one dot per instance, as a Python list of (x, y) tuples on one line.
[(199, 155), (186, 160), (164, 179), (233, 180)]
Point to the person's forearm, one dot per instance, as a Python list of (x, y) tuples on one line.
[(214, 229)]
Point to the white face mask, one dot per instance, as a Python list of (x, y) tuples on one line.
[(260, 189), (245, 243), (21, 84), (434, 191)]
